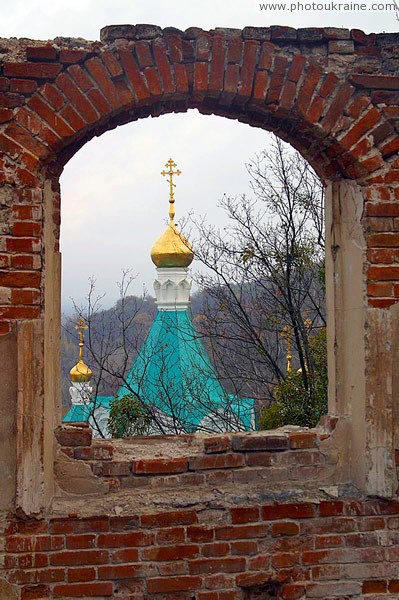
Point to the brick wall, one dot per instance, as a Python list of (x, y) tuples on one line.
[(157, 462), (323, 549), (206, 518), (234, 517)]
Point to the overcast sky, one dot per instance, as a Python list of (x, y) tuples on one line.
[(114, 200)]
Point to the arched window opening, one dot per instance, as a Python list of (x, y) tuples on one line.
[(234, 342)]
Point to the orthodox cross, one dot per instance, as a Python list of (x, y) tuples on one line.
[(286, 335), (171, 165), (80, 327)]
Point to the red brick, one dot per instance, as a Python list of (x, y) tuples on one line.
[(160, 465), (121, 571), (374, 586), (35, 592), (385, 240), (240, 532), (215, 549), (5, 328), (72, 117), (379, 289), (284, 560), (125, 555), (77, 542), (99, 102), (158, 585), (217, 461), (249, 580), (41, 53), (26, 140), (26, 228), (164, 68), (217, 565), (31, 245), (201, 71), (56, 123), (337, 106), (217, 64), (75, 558), (83, 590), (78, 99), (257, 442), (23, 86), (244, 547), (116, 469), (181, 78), (6, 114), (143, 54), (360, 128), (230, 86), (296, 68), (81, 78), (308, 87), (72, 436), (245, 514), (117, 96), (175, 552), (285, 528), (302, 440), (277, 79), (266, 56), (248, 68), (169, 519), (216, 444), (288, 95), (68, 56), (113, 65), (128, 539), (11, 100), (81, 574), (384, 273), (290, 511), (200, 534), (133, 72), (19, 296), (261, 85), (171, 535), (32, 70), (21, 279), (234, 49), (153, 81)]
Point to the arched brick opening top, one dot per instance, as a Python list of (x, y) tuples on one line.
[(311, 86)]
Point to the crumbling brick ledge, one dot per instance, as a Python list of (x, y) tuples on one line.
[(198, 517)]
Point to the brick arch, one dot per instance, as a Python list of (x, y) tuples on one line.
[(312, 87), (78, 94)]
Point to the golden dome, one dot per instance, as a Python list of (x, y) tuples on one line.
[(172, 249), (80, 372)]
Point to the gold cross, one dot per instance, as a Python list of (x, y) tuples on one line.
[(80, 327), (286, 335), (171, 165)]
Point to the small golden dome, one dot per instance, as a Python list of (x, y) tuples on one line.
[(80, 372), (172, 249)]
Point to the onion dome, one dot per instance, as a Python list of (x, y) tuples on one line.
[(80, 373), (172, 249)]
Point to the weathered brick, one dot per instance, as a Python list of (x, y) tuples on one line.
[(217, 461)]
